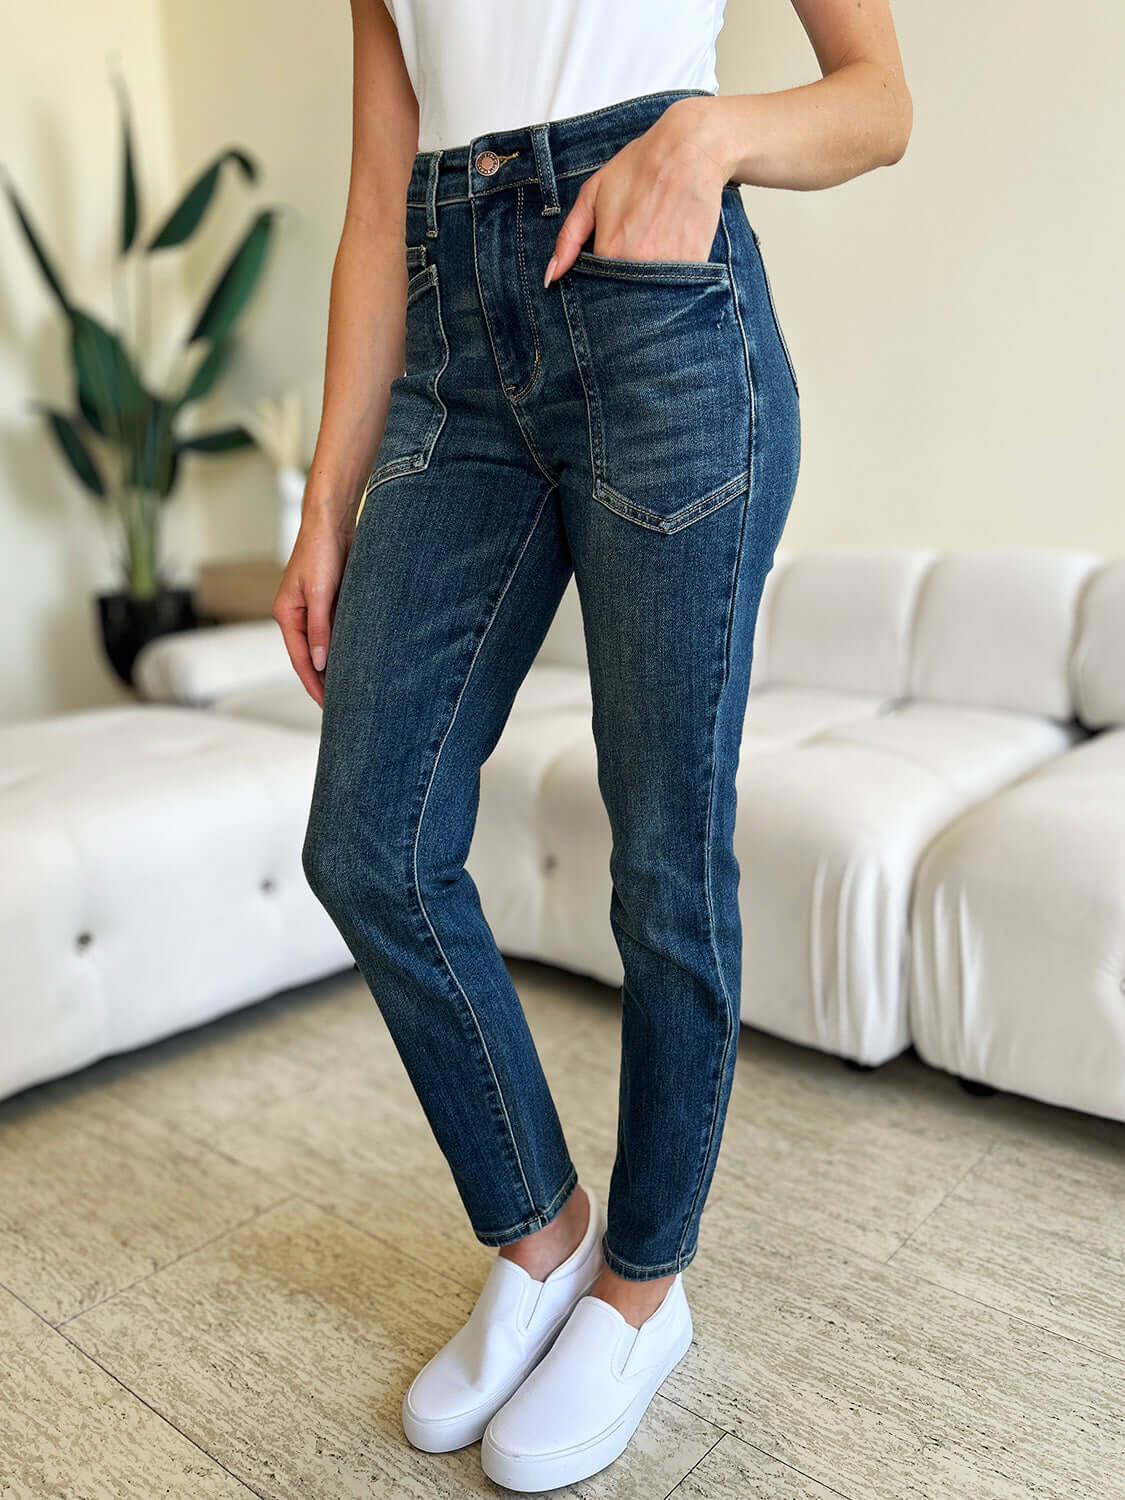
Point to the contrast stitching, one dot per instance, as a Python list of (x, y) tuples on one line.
[(496, 360), (613, 1259), (495, 1236), (708, 862), (408, 464), (694, 511), (512, 571), (750, 452), (518, 395), (623, 269), (589, 391)]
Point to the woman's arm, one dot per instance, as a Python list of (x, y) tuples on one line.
[(857, 116), (366, 338), (659, 197)]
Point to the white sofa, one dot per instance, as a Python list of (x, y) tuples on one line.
[(931, 821)]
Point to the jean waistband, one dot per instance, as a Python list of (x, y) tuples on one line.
[(503, 160)]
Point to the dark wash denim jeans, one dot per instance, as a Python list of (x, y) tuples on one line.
[(635, 424)]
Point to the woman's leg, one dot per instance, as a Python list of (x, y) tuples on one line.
[(453, 578), (694, 469)]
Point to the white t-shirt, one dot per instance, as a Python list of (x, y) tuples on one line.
[(488, 65)]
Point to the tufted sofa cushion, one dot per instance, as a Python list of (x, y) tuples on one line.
[(151, 880), (995, 627), (840, 620)]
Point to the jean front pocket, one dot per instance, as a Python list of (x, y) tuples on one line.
[(416, 413), (663, 362)]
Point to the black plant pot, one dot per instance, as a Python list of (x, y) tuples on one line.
[(128, 623)]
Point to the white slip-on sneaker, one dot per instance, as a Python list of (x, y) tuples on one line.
[(577, 1410), (451, 1399)]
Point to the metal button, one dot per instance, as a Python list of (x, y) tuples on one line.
[(487, 162)]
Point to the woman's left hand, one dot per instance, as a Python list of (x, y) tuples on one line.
[(658, 198)]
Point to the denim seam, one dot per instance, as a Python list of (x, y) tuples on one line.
[(395, 468), (643, 271), (536, 363), (709, 859), (513, 569), (695, 510), (773, 313), (721, 1069), (539, 464), (627, 1267), (593, 423), (749, 461), (534, 1221)]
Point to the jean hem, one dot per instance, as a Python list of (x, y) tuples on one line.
[(538, 1220), (630, 1272)]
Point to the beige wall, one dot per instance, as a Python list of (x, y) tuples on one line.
[(957, 321)]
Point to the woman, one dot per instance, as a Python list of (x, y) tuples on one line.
[(552, 351)]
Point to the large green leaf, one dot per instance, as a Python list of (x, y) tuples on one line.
[(130, 194), (207, 371), (49, 273), (107, 382), (70, 442), (185, 217), (237, 281), (223, 440), (153, 454)]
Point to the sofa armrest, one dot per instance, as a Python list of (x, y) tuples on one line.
[(197, 666)]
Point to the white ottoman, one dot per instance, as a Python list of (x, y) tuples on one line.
[(151, 880)]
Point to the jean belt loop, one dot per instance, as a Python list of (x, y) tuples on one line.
[(431, 195), (545, 169)]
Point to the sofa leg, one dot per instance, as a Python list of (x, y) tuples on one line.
[(859, 1067), (977, 1089)]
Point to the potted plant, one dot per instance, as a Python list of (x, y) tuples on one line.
[(122, 438)]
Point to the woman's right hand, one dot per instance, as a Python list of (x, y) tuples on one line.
[(305, 606)]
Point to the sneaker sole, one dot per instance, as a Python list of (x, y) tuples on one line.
[(530, 1475)]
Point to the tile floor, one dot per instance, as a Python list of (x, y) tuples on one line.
[(222, 1258)]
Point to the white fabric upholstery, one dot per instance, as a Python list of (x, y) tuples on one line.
[(777, 716), (996, 627), (151, 880), (828, 835), (198, 666), (285, 703), (759, 666), (1099, 656), (841, 620), (1018, 936)]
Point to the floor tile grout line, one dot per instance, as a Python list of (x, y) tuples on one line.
[(175, 1261), (1024, 1321), (58, 1329), (793, 1469), (964, 1177), (160, 1416), (695, 1465), (725, 1432)]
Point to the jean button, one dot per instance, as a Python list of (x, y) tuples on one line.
[(487, 162)]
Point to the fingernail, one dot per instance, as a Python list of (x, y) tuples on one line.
[(551, 264), (319, 656)]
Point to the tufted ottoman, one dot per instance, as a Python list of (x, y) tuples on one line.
[(150, 879)]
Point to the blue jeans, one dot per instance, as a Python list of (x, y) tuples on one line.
[(636, 425)]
